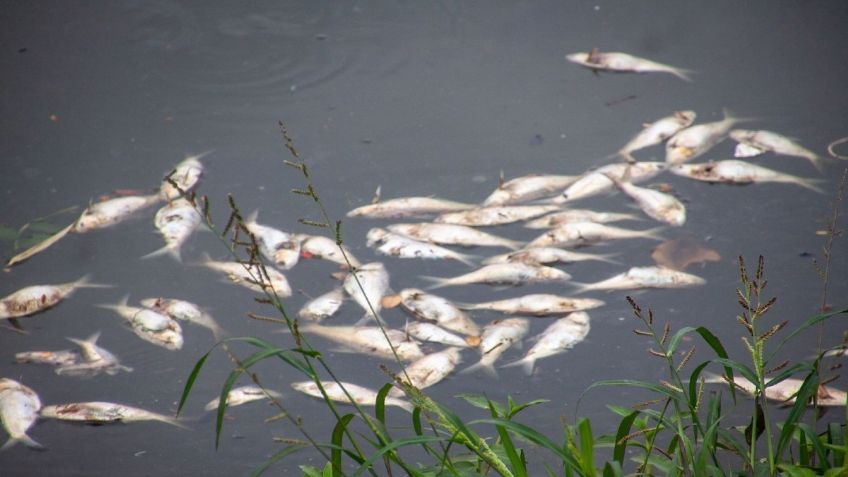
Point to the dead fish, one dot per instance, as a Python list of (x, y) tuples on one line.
[(644, 277), (623, 63), (400, 246), (429, 370), (497, 337), (548, 255), (241, 395), (657, 205), (318, 246), (557, 338), (449, 234), (367, 285), (577, 215), (537, 304), (110, 212), (19, 407), (657, 132), (504, 274), (324, 306), (358, 394), (680, 253), (251, 276), (97, 412), (495, 215), (275, 245), (149, 325), (37, 298), (585, 233), (55, 358), (185, 311), (431, 308), (596, 182), (185, 177), (733, 171), (527, 188), (695, 140), (432, 333), (786, 390), (369, 340), (407, 207), (762, 141), (176, 221), (97, 360)]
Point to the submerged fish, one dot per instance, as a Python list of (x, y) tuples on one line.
[(97, 360), (577, 215), (149, 325), (537, 304), (657, 132), (449, 234), (657, 205), (406, 207), (55, 358), (504, 274), (623, 63), (396, 245), (597, 181), (547, 255), (432, 333), (374, 282), (762, 141), (435, 309), (323, 306), (176, 221), (184, 311), (37, 298), (241, 395), (497, 337), (110, 212), (495, 215), (429, 370), (19, 407), (97, 412), (733, 171), (644, 277), (369, 339), (358, 394), (252, 276), (585, 233), (527, 188), (318, 246), (183, 178), (560, 336), (275, 245), (698, 139), (786, 390)]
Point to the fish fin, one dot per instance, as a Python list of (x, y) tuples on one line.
[(514, 244), (376, 197), (810, 184), (171, 420), (467, 259), (526, 363), (438, 282), (166, 250), (251, 218), (489, 369), (27, 440), (682, 73), (109, 306), (368, 318), (581, 287), (501, 180), (729, 114), (85, 282), (607, 258), (90, 340), (465, 306), (654, 233)]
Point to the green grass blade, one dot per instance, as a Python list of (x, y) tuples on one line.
[(635, 384), (807, 324), (395, 444), (674, 342), (192, 377), (380, 404), (338, 435), (815, 441), (809, 386), (276, 457), (587, 447), (795, 471), (537, 438), (509, 447), (482, 402), (620, 442)]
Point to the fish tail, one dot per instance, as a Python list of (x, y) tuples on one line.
[(219, 333), (514, 244), (466, 306), (607, 258), (654, 233), (27, 440), (170, 420), (817, 162), (488, 368), (166, 250), (810, 184), (582, 288), (526, 363), (438, 282), (466, 259), (90, 340), (110, 306), (251, 218), (85, 282), (682, 73)]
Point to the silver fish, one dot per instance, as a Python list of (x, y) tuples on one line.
[(97, 360), (37, 298), (275, 245), (429, 370), (318, 246), (358, 394), (495, 215), (407, 207), (149, 325), (657, 205), (251, 276), (504, 274), (644, 277), (657, 132), (577, 215), (427, 307), (432, 333), (698, 139), (547, 255), (497, 337), (185, 177), (401, 246), (536, 305), (585, 233), (449, 234), (369, 340), (241, 395), (323, 306), (98, 412), (374, 280), (733, 171), (19, 407), (185, 311), (55, 358), (623, 63), (110, 212), (176, 221), (786, 390), (596, 182), (557, 338), (763, 141), (526, 188)]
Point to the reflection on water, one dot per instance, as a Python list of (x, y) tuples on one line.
[(431, 99)]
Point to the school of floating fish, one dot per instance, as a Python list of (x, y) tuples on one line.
[(539, 201)]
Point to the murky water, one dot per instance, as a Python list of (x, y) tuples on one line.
[(432, 99)]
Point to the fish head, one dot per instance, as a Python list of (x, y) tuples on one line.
[(410, 294), (686, 118), (86, 222), (288, 255), (307, 387), (151, 302), (741, 135), (579, 317), (579, 57), (375, 235), (678, 154)]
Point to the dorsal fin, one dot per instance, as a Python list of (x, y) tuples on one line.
[(376, 197)]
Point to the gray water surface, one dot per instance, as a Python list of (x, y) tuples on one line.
[(420, 99)]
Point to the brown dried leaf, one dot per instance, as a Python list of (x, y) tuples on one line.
[(679, 254)]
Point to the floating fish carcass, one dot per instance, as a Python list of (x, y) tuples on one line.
[(504, 274), (37, 298), (657, 205), (184, 311), (19, 406), (252, 276), (98, 412), (369, 340), (149, 325), (644, 277), (55, 358), (429, 370), (786, 390), (657, 132), (401, 246), (618, 62), (547, 256), (325, 248), (527, 188), (449, 234), (367, 285), (433, 333), (96, 360), (585, 233), (597, 181), (183, 179), (242, 395), (111, 211), (755, 142), (358, 394), (428, 307), (495, 215), (732, 171), (578, 215), (280, 247), (557, 338), (695, 140), (323, 306), (537, 304), (176, 221), (497, 337), (407, 207)]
